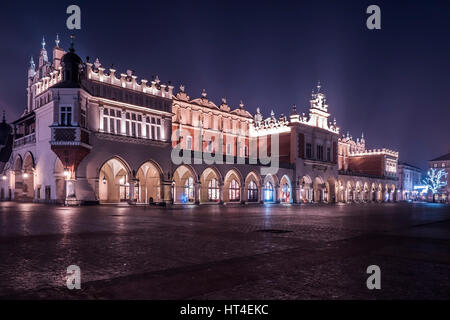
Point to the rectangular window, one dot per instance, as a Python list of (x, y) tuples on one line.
[(228, 148), (158, 133), (329, 154), (308, 151), (118, 126), (111, 125), (83, 118), (189, 143), (105, 124), (301, 145), (319, 152), (65, 116)]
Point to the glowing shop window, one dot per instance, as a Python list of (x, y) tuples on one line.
[(234, 190), (213, 190), (268, 191)]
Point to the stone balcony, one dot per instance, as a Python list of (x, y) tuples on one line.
[(69, 136), (28, 139)]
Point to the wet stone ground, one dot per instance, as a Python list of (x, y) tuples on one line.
[(211, 252)]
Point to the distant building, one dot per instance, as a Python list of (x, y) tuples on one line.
[(409, 177), (442, 162)]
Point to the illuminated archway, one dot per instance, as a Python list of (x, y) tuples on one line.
[(380, 193), (270, 185), (306, 189), (350, 192), (318, 189), (285, 190), (366, 194), (232, 186), (373, 190), (28, 176), (114, 181), (211, 184), (358, 191), (341, 191), (18, 178), (148, 184), (184, 185), (330, 195), (252, 187)]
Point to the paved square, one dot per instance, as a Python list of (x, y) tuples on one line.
[(226, 252)]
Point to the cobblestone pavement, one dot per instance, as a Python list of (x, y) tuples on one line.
[(211, 252)]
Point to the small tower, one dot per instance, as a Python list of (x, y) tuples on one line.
[(58, 53), (294, 116), (31, 69), (43, 56), (318, 111)]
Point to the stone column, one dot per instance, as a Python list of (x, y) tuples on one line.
[(221, 194), (123, 128), (131, 191), (167, 186), (277, 194), (197, 192), (242, 194), (295, 194), (100, 109)]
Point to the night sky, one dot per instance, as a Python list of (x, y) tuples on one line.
[(392, 84)]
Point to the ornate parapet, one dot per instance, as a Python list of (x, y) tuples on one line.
[(384, 151), (128, 80)]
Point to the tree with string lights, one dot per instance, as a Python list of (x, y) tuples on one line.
[(435, 180)]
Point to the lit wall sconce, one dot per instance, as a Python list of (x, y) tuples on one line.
[(25, 175), (4, 177), (66, 173)]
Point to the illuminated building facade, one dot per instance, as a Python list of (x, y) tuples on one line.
[(91, 135), (409, 177), (442, 162)]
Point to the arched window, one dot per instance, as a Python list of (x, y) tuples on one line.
[(213, 190), (285, 192), (234, 191), (268, 192), (189, 189), (252, 192)]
